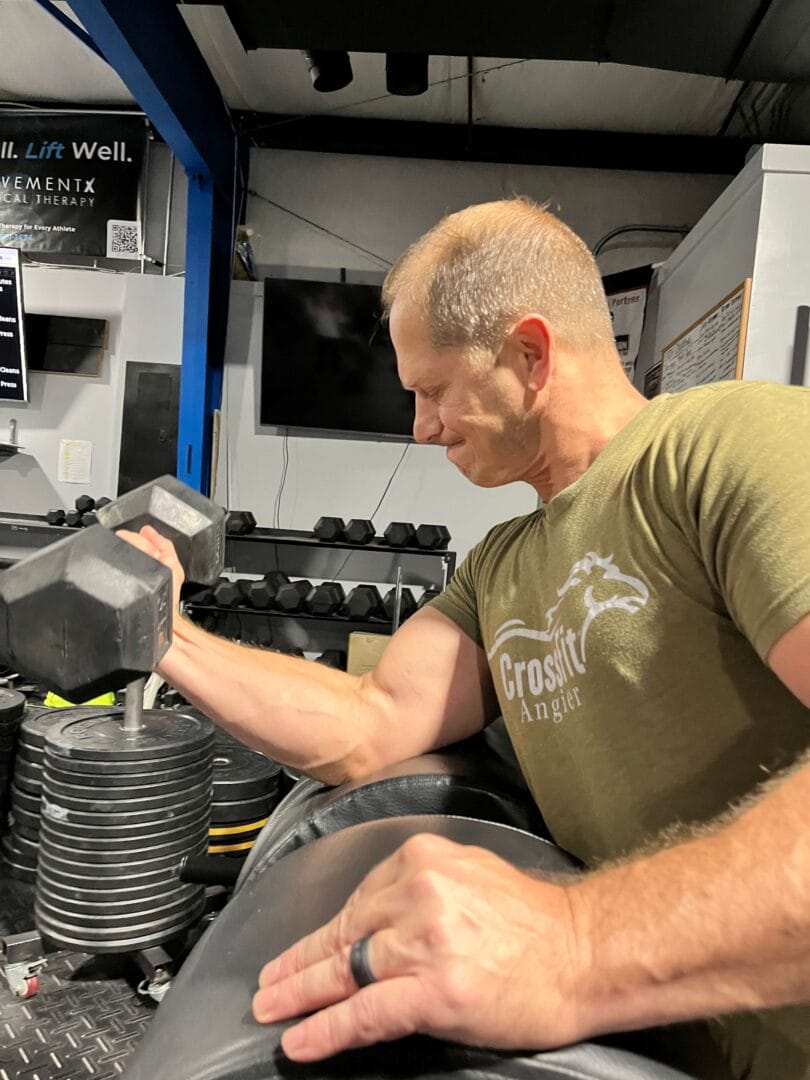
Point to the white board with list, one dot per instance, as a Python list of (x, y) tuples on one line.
[(711, 349)]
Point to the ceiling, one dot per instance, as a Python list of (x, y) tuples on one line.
[(568, 93)]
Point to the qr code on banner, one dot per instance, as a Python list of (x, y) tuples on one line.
[(123, 239)]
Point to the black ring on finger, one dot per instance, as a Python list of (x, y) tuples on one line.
[(359, 963)]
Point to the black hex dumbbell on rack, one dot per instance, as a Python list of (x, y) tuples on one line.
[(330, 529), (432, 537), (326, 599), (292, 597), (240, 523), (400, 534), (364, 603)]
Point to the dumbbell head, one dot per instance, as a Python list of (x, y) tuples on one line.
[(334, 658), (400, 534), (364, 602), (73, 518), (227, 593), (240, 522), (85, 615), (85, 503), (330, 529), (90, 518), (426, 597), (407, 604), (433, 537), (359, 531), (292, 596), (194, 524), (55, 517), (101, 503), (262, 593), (325, 599)]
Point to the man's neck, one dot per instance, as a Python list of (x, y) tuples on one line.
[(578, 424)]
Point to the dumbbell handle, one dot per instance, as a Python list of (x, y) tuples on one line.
[(133, 706)]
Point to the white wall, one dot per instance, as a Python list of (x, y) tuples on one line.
[(383, 204), (145, 323), (758, 228)]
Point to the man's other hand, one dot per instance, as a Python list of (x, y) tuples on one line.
[(463, 946)]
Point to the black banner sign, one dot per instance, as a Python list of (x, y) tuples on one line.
[(62, 178), (13, 380)]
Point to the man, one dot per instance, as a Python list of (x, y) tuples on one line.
[(646, 636)]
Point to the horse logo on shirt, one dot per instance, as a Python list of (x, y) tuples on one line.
[(629, 594)]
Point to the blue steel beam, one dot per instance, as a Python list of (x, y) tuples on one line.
[(152, 50), (150, 47)]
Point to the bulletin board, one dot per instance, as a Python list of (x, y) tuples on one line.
[(711, 349)]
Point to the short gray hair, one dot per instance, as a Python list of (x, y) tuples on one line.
[(479, 270)]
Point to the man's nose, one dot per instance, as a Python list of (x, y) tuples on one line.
[(427, 426)]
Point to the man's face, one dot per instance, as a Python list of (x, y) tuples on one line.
[(474, 406)]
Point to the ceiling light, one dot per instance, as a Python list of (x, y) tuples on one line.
[(328, 70)]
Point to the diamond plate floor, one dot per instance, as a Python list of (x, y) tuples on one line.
[(87, 1017)]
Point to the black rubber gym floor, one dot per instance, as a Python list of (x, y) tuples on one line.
[(87, 1017)]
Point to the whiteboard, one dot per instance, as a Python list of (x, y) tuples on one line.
[(711, 349)]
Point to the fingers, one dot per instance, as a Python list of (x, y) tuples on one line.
[(370, 907), (324, 983), (379, 1013), (141, 542)]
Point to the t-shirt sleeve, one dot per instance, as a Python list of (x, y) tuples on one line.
[(459, 601), (747, 475)]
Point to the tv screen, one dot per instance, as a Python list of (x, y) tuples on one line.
[(328, 363)]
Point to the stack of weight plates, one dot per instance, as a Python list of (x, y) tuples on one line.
[(246, 790), (12, 707), (26, 789), (120, 811)]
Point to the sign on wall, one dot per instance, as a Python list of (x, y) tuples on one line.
[(712, 349), (626, 294), (13, 376), (63, 178)]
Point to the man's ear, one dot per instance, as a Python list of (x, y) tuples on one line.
[(533, 337)]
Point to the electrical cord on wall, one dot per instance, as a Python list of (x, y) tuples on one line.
[(600, 244), (380, 501), (320, 228), (285, 462)]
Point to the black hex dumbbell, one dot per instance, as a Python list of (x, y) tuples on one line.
[(262, 593), (101, 503), (330, 529), (432, 537), (292, 596), (226, 594), (55, 517), (364, 602), (333, 658), (426, 597), (407, 604), (73, 518), (400, 534), (240, 523), (85, 503), (360, 531), (88, 519), (326, 599)]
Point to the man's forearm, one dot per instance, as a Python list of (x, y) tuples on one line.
[(714, 925), (305, 715)]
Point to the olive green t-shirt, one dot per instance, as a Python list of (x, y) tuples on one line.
[(627, 625)]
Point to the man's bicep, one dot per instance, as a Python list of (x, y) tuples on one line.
[(432, 684), (789, 659)]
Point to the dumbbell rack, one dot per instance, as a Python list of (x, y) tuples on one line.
[(22, 534), (299, 554)]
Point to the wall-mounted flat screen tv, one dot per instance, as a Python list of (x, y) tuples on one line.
[(328, 364)]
